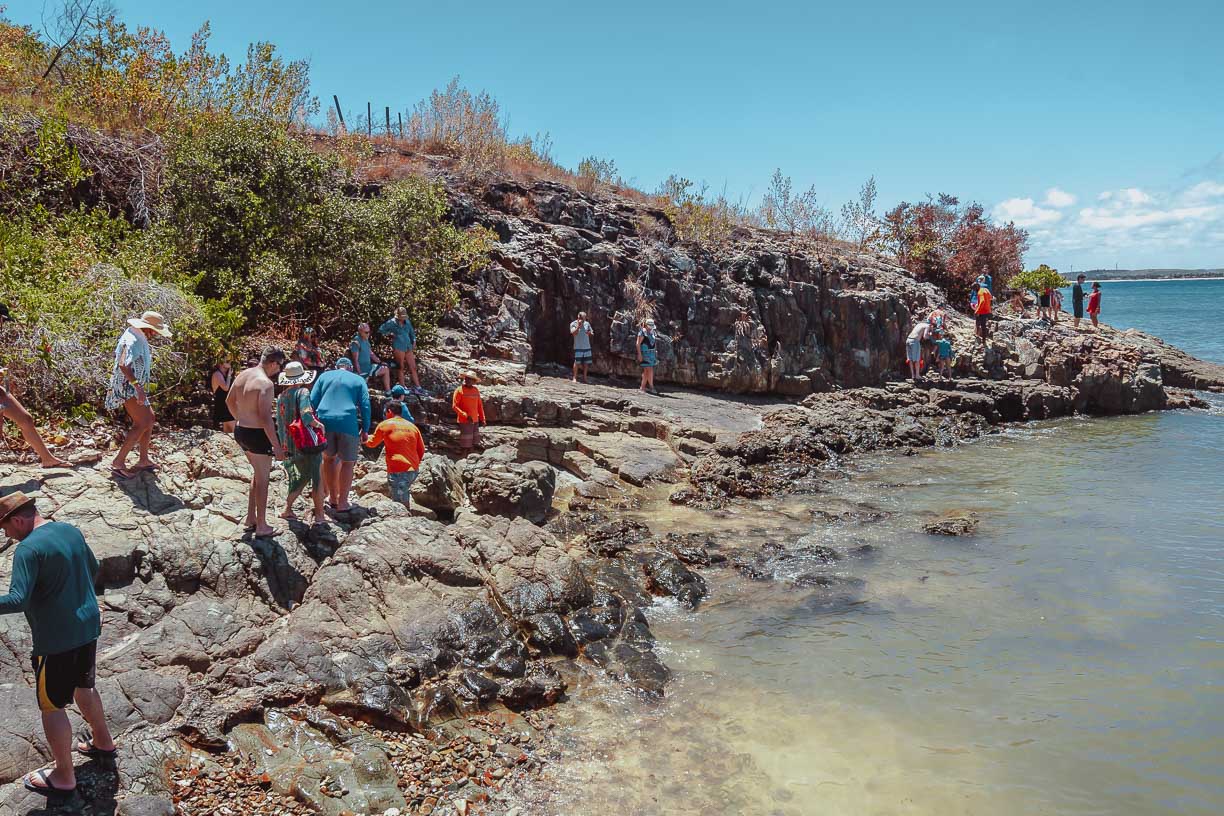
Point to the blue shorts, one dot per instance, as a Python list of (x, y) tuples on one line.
[(401, 485), (583, 356)]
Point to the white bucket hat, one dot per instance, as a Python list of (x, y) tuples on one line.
[(295, 374), (150, 320)]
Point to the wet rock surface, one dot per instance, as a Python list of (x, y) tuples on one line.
[(953, 523)]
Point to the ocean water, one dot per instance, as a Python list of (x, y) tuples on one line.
[(1068, 659)]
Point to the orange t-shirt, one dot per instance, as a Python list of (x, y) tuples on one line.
[(468, 405), (405, 447), (983, 306)]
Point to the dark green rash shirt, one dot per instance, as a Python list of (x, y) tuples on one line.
[(52, 583)]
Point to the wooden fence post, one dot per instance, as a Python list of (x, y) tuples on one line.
[(388, 109), (369, 120), (400, 116)]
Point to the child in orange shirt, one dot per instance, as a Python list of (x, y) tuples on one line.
[(404, 450), (469, 410)]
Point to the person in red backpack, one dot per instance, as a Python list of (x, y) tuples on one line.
[(301, 466)]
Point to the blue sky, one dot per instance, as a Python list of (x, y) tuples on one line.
[(1097, 125)]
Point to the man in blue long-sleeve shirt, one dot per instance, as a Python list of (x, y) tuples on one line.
[(53, 584), (403, 343), (341, 400)]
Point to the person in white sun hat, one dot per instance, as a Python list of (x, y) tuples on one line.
[(129, 381)]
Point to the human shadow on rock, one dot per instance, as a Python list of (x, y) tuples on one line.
[(146, 494), (97, 787), (285, 581)]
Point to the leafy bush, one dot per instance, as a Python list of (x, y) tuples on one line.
[(267, 225), (949, 244), (695, 216), (72, 282), (594, 171), (1038, 280)]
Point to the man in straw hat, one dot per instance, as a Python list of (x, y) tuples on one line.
[(469, 410), (128, 388), (403, 344), (53, 584), (250, 401)]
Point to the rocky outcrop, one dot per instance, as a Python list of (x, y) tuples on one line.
[(764, 313), (385, 615)]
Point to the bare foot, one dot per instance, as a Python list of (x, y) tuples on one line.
[(289, 515), (266, 532), (55, 462)]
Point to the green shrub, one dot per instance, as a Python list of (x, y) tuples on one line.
[(72, 281), (269, 227), (1038, 280)]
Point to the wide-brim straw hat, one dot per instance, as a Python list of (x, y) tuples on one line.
[(471, 375), (150, 320), (13, 502), (295, 374)]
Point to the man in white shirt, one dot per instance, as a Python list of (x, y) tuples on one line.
[(913, 347), (581, 331)]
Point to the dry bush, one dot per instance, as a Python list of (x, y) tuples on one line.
[(463, 124), (640, 305)]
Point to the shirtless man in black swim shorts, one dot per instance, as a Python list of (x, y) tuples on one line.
[(250, 400)]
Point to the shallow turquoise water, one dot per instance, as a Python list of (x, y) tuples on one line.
[(1069, 659)]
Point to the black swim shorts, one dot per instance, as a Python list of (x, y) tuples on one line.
[(58, 676), (253, 440), (983, 322), (1078, 309)]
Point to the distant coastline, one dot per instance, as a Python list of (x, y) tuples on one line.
[(1151, 274)]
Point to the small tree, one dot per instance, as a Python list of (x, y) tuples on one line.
[(1039, 279), (783, 209), (859, 222), (593, 171)]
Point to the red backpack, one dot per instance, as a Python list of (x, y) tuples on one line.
[(306, 438)]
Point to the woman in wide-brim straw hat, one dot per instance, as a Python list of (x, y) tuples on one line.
[(129, 381), (302, 468)]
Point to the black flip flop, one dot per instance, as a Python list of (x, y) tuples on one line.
[(95, 753), (123, 474), (49, 790)]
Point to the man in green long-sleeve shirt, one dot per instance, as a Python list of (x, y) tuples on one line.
[(53, 584)]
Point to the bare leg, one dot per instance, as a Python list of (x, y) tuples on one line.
[(257, 497), (410, 359), (59, 737), (344, 483), (90, 704), (140, 415), (575, 377), (25, 423), (400, 365), (145, 440), (386, 378), (586, 373), (289, 514), (330, 470), (317, 496)]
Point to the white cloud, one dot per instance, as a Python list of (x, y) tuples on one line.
[(1113, 218), (1055, 197), (1024, 213), (1128, 195), (1178, 225), (1205, 191)]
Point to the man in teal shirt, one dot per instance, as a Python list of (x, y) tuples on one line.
[(53, 584), (341, 400), (403, 343)]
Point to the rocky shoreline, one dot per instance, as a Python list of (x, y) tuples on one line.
[(404, 659), (514, 575)]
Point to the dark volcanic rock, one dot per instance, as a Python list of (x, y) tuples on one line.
[(506, 488), (669, 577), (955, 523)]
